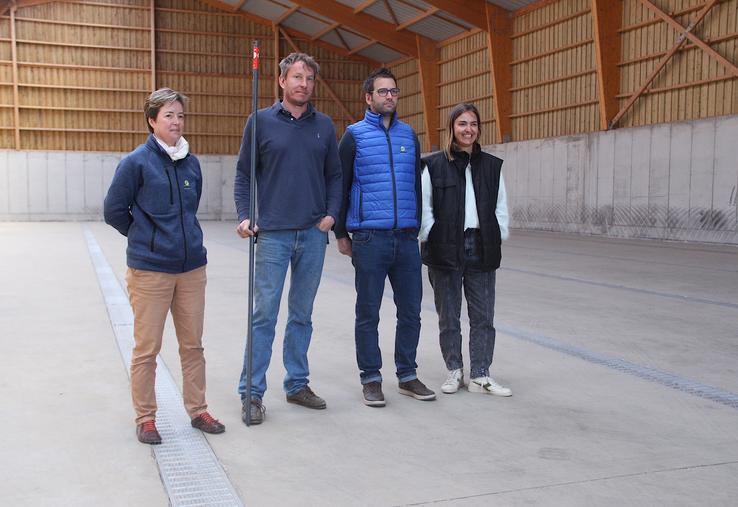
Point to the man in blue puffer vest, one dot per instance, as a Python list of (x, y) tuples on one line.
[(380, 159)]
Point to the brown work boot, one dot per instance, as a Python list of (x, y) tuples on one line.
[(307, 398), (373, 395), (207, 423), (417, 390), (147, 434)]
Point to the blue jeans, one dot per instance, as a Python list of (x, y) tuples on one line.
[(304, 251), (378, 254)]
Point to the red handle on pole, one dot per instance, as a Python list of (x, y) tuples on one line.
[(255, 58)]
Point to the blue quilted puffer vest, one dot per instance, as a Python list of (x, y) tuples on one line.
[(383, 190)]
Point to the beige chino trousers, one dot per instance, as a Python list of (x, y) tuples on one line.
[(152, 295)]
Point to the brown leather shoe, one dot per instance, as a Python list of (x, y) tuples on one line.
[(147, 434), (307, 398), (207, 423)]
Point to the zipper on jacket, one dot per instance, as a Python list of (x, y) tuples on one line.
[(153, 236), (181, 215), (392, 171), (171, 192), (361, 206)]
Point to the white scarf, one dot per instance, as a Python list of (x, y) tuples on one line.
[(176, 152)]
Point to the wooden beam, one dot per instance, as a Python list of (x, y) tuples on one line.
[(687, 32), (361, 47), (152, 39), (324, 31), (275, 45), (322, 81), (286, 14), (364, 5), (428, 55), (499, 46), (391, 12), (419, 17), (662, 63), (268, 22), (343, 40), (371, 27), (606, 20), (469, 11), (14, 57)]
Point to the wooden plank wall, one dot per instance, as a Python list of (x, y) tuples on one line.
[(410, 107), (553, 71), (85, 69), (692, 85), (464, 76), (7, 129)]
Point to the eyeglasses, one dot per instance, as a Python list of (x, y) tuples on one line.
[(382, 92)]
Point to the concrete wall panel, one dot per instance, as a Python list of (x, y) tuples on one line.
[(576, 161), (547, 208), (640, 177), (4, 182), (658, 184), (92, 164), (702, 177), (677, 181), (680, 162), (725, 182), (38, 183), (75, 183), (18, 202), (57, 183), (623, 159), (605, 167)]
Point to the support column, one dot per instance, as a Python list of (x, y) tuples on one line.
[(153, 44), (275, 28), (499, 48), (428, 56), (606, 20)]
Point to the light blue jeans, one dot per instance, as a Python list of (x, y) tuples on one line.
[(304, 252)]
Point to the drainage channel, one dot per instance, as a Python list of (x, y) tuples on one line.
[(190, 471)]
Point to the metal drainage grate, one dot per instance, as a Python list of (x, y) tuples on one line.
[(190, 471)]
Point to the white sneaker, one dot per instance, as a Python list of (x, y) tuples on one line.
[(488, 385), (454, 381)]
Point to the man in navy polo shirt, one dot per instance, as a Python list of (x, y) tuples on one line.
[(298, 181), (380, 158)]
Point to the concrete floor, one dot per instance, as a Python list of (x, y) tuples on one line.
[(576, 431)]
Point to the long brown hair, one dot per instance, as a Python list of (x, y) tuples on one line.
[(449, 145)]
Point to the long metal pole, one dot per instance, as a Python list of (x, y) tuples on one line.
[(252, 221)]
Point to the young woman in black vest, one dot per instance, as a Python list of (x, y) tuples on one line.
[(464, 222)]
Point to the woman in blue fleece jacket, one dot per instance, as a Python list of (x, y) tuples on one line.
[(153, 201)]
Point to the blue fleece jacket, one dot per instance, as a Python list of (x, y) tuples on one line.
[(298, 172), (153, 201)]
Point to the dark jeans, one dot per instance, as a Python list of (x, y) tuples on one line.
[(377, 255), (479, 289)]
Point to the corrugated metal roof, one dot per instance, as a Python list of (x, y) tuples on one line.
[(435, 28), (352, 39), (512, 5), (438, 26), (380, 53), (303, 23), (264, 8)]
